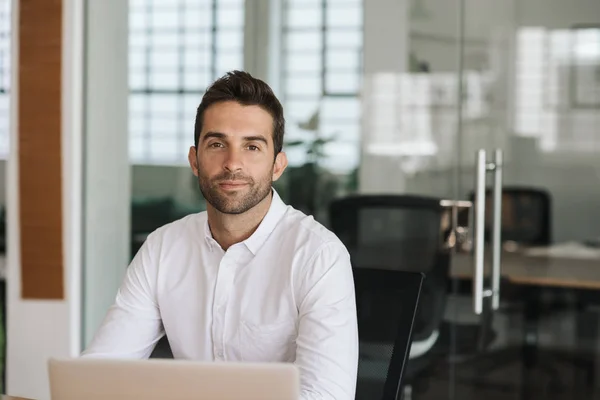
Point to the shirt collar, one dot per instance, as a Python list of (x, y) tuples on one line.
[(267, 225), (276, 211), (208, 238)]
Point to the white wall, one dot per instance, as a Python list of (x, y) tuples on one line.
[(107, 183), (38, 330)]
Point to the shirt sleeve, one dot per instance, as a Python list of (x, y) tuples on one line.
[(327, 342), (132, 326)]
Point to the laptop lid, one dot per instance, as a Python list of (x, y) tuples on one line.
[(101, 379)]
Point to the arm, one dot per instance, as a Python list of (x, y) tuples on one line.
[(327, 343), (132, 325)]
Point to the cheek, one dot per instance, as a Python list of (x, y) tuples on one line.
[(207, 168), (254, 171), (266, 172), (210, 160)]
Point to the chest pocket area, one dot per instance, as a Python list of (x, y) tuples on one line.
[(271, 342)]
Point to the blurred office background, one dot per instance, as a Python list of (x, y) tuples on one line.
[(386, 97)]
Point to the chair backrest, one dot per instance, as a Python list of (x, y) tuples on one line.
[(386, 304), (399, 232), (526, 215)]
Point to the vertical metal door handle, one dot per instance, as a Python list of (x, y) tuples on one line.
[(497, 229), (478, 234)]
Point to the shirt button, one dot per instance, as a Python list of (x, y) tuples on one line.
[(220, 355)]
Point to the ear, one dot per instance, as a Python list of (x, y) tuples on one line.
[(193, 160), (280, 165)]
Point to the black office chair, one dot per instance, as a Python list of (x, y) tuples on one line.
[(162, 349), (401, 233), (386, 303), (526, 215)]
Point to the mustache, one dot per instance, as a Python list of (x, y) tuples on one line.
[(227, 176)]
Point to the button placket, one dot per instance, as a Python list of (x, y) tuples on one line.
[(223, 289)]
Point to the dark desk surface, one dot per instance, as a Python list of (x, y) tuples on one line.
[(522, 269)]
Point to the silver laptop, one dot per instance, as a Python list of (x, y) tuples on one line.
[(101, 379)]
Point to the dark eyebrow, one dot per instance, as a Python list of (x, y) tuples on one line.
[(256, 139), (219, 135)]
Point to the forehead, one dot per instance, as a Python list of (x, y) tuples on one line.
[(234, 119)]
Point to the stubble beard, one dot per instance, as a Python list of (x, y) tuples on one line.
[(236, 202)]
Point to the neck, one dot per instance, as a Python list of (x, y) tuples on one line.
[(229, 229)]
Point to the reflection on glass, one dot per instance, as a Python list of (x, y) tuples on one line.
[(557, 89)]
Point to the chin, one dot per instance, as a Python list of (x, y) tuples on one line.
[(232, 209)]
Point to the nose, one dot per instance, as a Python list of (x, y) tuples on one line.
[(233, 161)]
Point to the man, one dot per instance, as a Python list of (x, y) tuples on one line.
[(250, 279)]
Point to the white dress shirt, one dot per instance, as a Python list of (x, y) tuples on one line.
[(286, 294)]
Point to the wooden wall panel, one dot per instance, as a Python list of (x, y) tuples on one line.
[(39, 141)]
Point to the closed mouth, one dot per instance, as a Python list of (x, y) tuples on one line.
[(232, 183)]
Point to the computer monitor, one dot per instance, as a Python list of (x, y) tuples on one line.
[(102, 379)]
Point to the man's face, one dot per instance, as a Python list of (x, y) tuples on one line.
[(234, 161)]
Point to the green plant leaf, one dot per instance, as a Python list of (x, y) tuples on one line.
[(294, 143)]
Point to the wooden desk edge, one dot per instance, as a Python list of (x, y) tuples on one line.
[(554, 282), (542, 281), (5, 397)]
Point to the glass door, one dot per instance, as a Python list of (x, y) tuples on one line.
[(528, 154)]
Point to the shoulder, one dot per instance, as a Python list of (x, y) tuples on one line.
[(176, 231), (319, 258), (310, 237), (166, 251)]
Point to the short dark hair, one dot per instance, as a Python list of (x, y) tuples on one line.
[(243, 88)]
